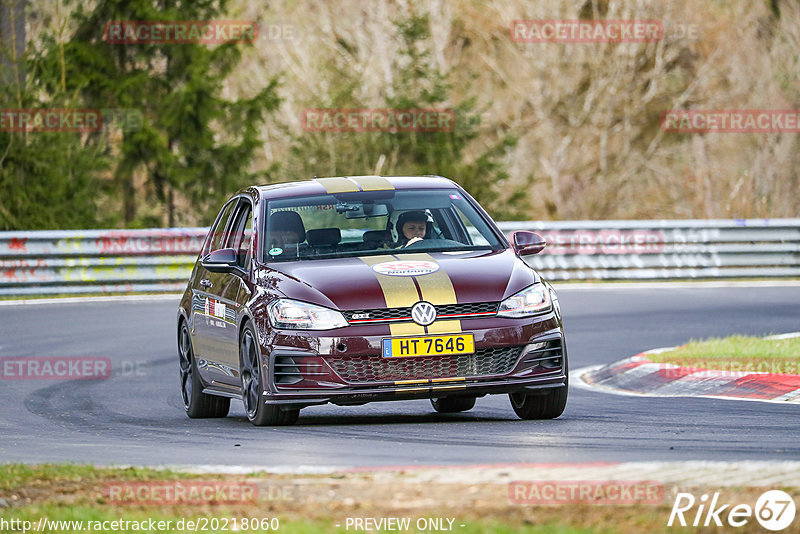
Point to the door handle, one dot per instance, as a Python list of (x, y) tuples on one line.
[(205, 282)]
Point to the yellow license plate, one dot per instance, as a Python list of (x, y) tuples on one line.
[(403, 347)]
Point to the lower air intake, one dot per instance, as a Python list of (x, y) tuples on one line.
[(485, 362)]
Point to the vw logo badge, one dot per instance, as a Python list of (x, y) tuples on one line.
[(423, 313)]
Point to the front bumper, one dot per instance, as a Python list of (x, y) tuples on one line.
[(512, 355)]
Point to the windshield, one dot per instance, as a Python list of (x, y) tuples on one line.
[(366, 223)]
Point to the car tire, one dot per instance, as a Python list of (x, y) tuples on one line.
[(196, 403), (547, 406), (258, 412), (453, 404), (543, 406)]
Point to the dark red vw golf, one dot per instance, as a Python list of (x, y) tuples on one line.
[(366, 288)]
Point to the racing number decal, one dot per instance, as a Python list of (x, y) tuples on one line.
[(437, 288), (401, 292)]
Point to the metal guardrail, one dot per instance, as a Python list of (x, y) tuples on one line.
[(161, 260), (666, 249), (98, 261)]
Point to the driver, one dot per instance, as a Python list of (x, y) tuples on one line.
[(412, 226)]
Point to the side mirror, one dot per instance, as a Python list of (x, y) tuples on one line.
[(223, 260), (526, 243)]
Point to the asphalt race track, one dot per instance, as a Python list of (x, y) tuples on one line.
[(136, 416)]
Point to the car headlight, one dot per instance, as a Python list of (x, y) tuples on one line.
[(287, 313), (530, 301)]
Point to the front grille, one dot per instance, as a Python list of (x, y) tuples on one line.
[(467, 309), (484, 362), (379, 314), (444, 311)]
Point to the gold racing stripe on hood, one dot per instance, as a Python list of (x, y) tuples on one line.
[(437, 288), (373, 183), (338, 185), (399, 292)]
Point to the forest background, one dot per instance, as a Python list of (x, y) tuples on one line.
[(543, 131)]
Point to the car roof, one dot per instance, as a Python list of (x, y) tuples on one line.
[(352, 184)]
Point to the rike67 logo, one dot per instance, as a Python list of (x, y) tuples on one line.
[(774, 510)]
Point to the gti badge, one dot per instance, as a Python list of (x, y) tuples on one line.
[(423, 313)]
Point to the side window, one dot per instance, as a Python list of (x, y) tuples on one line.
[(218, 231), (241, 233), (475, 236)]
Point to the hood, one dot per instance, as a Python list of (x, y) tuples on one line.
[(401, 280)]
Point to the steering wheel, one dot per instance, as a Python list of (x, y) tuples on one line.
[(434, 243)]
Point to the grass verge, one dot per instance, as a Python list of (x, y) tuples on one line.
[(304, 504), (737, 353)]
